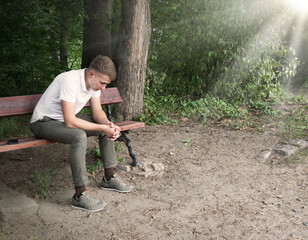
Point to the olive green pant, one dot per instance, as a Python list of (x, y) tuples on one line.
[(56, 131)]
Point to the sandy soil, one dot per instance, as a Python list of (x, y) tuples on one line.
[(212, 187)]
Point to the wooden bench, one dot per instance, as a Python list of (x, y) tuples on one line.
[(22, 105)]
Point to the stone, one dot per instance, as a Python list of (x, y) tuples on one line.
[(51, 213), (14, 207), (264, 155), (286, 150), (299, 142), (157, 166), (125, 167), (147, 169)]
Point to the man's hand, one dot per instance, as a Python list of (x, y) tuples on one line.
[(112, 131), (102, 123)]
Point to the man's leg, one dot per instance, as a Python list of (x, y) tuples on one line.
[(108, 156), (107, 150), (57, 132)]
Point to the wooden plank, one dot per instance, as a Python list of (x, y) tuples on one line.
[(128, 125), (22, 143), (32, 141), (21, 105), (110, 96)]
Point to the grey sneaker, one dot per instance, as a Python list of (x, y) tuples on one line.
[(87, 202), (115, 184)]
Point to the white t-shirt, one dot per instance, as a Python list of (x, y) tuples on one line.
[(68, 86)]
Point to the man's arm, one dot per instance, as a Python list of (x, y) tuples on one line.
[(98, 114), (71, 121)]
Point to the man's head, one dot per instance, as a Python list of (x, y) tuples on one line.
[(104, 65), (100, 73)]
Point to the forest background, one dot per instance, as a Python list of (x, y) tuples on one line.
[(208, 59)]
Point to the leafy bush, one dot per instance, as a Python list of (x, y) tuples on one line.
[(158, 106), (212, 107), (230, 48), (14, 127), (296, 124), (30, 43)]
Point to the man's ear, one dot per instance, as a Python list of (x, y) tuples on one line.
[(91, 73)]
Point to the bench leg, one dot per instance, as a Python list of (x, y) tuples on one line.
[(127, 140)]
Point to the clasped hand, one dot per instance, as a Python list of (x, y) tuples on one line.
[(113, 131)]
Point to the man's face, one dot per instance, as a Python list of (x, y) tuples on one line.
[(98, 81)]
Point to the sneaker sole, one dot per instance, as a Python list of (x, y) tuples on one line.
[(88, 210), (116, 190)]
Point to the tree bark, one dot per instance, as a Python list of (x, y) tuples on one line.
[(115, 32), (136, 32), (96, 35)]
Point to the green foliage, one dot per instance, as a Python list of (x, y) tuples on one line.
[(118, 146), (211, 107), (167, 108), (231, 49), (42, 181), (95, 152), (259, 76), (98, 164), (30, 43), (158, 106), (186, 142), (300, 155), (157, 109), (14, 127), (8, 127), (119, 159), (92, 167), (296, 124)]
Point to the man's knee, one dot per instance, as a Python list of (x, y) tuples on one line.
[(79, 136)]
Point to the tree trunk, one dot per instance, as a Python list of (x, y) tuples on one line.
[(96, 34), (136, 32), (115, 32)]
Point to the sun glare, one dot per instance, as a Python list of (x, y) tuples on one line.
[(298, 5)]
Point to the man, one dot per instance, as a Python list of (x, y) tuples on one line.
[(56, 118)]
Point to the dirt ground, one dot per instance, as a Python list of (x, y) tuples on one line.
[(210, 185)]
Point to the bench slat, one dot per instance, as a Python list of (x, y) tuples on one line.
[(128, 125), (32, 141), (21, 105), (22, 143)]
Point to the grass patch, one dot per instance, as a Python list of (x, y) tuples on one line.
[(119, 159), (98, 164), (118, 146), (211, 107), (300, 155), (14, 127), (245, 115), (94, 166), (295, 124), (42, 182)]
